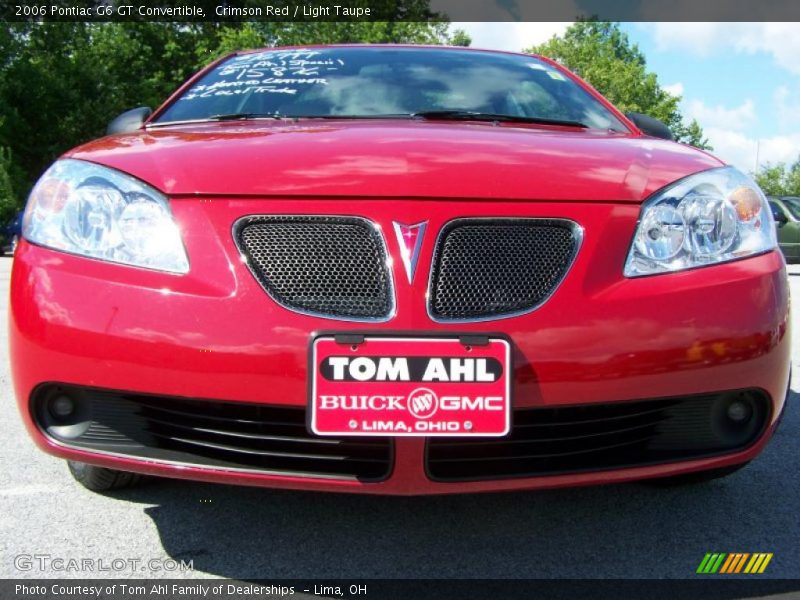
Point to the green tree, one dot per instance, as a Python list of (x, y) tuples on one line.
[(780, 179), (8, 202), (69, 79), (601, 53), (61, 83)]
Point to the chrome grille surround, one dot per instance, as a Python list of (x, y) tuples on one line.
[(331, 284), (497, 271)]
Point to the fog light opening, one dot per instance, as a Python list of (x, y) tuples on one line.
[(740, 412), (62, 407), (62, 413), (737, 419)]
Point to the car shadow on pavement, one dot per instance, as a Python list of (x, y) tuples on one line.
[(623, 531)]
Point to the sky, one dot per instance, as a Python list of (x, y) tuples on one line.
[(741, 81)]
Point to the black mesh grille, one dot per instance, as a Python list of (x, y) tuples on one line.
[(330, 266), (255, 437), (491, 268), (548, 441)]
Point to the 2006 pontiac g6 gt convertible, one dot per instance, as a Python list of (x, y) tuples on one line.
[(397, 270)]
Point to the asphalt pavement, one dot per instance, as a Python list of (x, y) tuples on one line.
[(619, 531)]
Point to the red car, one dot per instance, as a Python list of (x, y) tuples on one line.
[(397, 270)]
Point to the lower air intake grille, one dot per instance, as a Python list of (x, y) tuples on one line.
[(490, 268), (550, 441), (254, 437), (327, 266)]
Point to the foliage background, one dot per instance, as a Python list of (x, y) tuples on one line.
[(601, 53), (780, 179), (61, 83)]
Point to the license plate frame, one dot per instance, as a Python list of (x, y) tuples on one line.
[(473, 406)]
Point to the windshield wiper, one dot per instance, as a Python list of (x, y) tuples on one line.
[(355, 117), (470, 115), (245, 116), (443, 115)]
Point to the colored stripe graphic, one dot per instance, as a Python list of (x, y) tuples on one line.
[(729, 564), (751, 564), (711, 562), (765, 563), (703, 563), (741, 562), (737, 562), (717, 564)]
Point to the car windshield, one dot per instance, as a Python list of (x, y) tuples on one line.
[(371, 82), (793, 204)]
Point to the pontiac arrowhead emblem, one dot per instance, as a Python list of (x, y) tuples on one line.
[(409, 238)]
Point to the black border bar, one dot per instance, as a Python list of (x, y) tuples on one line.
[(309, 11), (708, 588)]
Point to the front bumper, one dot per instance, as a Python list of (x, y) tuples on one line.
[(215, 334)]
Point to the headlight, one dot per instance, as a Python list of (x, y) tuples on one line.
[(83, 208), (705, 219)]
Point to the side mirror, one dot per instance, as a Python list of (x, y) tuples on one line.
[(129, 121), (651, 126)]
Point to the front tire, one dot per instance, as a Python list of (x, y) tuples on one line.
[(100, 479)]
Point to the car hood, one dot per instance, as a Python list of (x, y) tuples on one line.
[(397, 159)]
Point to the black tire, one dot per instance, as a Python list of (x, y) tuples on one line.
[(100, 479), (694, 478)]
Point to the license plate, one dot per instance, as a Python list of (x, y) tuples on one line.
[(394, 386)]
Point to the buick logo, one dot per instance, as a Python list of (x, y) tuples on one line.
[(409, 238), (423, 403)]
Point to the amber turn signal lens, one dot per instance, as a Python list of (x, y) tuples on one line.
[(747, 203), (51, 194)]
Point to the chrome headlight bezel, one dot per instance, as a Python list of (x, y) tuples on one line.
[(705, 219), (90, 210)]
